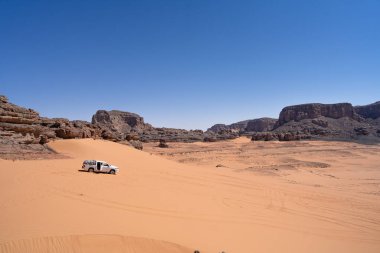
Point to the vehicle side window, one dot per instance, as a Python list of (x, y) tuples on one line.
[(105, 164)]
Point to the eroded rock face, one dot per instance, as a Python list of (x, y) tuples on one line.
[(312, 111), (218, 127), (122, 122), (326, 121), (244, 127), (120, 126), (23, 131), (235, 127), (260, 125), (369, 111)]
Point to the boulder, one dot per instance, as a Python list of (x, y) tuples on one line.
[(136, 144), (361, 131), (320, 122), (209, 139), (163, 144)]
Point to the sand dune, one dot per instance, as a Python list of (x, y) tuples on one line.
[(91, 244), (296, 208)]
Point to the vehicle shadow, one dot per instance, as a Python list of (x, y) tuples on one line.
[(94, 172)]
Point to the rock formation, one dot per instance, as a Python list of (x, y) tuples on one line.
[(163, 144), (246, 126), (122, 122), (312, 111), (328, 121), (235, 127), (283, 136), (23, 131), (260, 125), (118, 126), (371, 111)]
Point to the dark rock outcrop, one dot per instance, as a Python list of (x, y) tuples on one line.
[(312, 111), (218, 127), (371, 111), (121, 122), (325, 121), (163, 144), (119, 126), (260, 125), (235, 127), (171, 135), (244, 127), (283, 136)]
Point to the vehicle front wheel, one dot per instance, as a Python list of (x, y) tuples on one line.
[(112, 172), (90, 170)]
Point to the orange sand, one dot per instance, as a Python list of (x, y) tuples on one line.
[(268, 197)]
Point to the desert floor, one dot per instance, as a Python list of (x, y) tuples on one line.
[(233, 196)]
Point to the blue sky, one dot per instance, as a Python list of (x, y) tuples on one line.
[(188, 64)]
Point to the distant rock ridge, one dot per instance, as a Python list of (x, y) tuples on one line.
[(261, 125), (326, 121), (340, 121), (312, 111), (242, 127), (121, 125), (23, 131), (237, 127), (369, 111)]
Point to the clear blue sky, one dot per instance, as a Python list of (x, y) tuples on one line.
[(188, 64)]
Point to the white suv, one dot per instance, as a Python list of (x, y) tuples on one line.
[(99, 166)]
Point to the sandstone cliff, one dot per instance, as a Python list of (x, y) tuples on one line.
[(326, 121), (312, 111), (24, 132)]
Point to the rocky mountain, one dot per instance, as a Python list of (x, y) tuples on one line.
[(246, 126)]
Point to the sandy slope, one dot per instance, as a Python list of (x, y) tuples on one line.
[(194, 204), (90, 244)]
